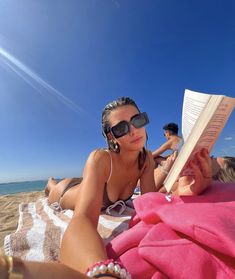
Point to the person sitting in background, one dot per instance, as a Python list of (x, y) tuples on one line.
[(173, 142)]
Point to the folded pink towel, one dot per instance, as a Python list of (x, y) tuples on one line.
[(189, 237)]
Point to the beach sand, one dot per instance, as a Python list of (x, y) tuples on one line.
[(9, 211)]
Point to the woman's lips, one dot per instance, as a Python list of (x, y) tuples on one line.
[(136, 140)]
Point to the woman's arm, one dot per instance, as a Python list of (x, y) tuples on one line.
[(165, 146), (82, 245)]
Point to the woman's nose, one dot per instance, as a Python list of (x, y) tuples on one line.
[(132, 129)]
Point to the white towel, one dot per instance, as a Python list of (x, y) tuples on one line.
[(40, 230)]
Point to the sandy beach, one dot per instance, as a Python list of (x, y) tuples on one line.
[(9, 212)]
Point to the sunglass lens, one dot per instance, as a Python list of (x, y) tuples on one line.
[(121, 129), (140, 120)]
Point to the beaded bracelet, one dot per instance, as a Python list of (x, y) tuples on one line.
[(108, 268)]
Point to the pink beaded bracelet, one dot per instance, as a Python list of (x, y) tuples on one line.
[(108, 268)]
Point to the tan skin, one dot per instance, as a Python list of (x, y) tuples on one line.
[(97, 168), (88, 201), (170, 144), (187, 185), (82, 246)]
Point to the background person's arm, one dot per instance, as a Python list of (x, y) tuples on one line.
[(164, 147), (161, 172)]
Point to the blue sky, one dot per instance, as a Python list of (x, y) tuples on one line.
[(62, 61)]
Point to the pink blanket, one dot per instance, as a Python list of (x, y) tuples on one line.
[(189, 237)]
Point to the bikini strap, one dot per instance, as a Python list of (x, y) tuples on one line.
[(111, 164)]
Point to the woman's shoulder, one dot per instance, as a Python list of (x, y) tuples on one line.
[(98, 163), (100, 154)]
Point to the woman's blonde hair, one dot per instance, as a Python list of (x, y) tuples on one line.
[(227, 173)]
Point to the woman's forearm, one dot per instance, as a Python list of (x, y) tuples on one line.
[(81, 246)]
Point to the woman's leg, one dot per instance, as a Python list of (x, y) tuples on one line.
[(57, 189), (50, 184), (70, 197)]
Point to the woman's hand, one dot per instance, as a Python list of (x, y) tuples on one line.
[(201, 178), (168, 163)]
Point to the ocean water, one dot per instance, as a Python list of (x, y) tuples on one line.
[(24, 186)]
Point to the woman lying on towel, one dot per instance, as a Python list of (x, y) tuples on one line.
[(110, 175)]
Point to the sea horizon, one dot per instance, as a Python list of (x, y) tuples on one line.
[(7, 188)]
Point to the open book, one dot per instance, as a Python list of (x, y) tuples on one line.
[(203, 118)]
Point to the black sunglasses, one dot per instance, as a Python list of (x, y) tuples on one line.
[(122, 128)]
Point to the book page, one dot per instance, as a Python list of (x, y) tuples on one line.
[(194, 103), (205, 129), (216, 124), (211, 132)]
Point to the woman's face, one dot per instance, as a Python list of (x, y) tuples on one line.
[(136, 138)]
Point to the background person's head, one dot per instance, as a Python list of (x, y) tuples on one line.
[(223, 169), (170, 129)]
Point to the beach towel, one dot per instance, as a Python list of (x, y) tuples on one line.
[(41, 227), (185, 237)]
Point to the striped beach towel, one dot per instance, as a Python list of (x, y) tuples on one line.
[(41, 228)]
